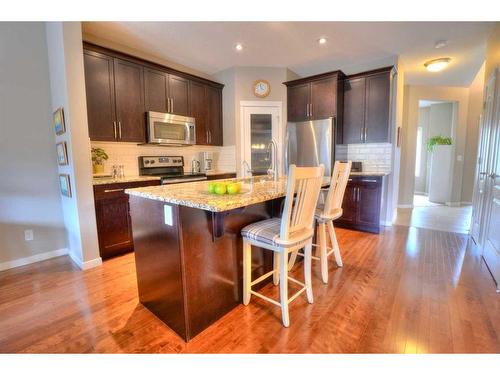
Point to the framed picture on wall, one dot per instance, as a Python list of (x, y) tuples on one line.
[(62, 153), (65, 185), (58, 120)]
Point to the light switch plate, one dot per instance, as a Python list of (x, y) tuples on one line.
[(167, 210)]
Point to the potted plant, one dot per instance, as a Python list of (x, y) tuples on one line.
[(98, 157), (437, 140)]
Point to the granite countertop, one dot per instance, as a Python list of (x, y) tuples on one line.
[(111, 180), (196, 195), (370, 173)]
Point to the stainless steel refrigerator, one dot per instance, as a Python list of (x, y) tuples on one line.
[(310, 143)]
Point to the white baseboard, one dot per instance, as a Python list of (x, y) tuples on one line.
[(453, 204), (466, 203), (405, 205), (32, 259), (85, 265), (386, 223)]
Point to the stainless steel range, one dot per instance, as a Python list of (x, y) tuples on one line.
[(169, 168)]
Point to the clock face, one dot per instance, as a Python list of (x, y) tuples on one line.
[(261, 88)]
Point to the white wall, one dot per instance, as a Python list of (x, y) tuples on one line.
[(67, 81), (29, 190), (423, 122)]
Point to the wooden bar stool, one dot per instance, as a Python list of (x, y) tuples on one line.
[(328, 210), (286, 235)]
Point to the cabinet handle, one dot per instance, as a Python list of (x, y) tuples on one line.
[(172, 105), (361, 134), (366, 180), (168, 105), (120, 129), (206, 136), (359, 195), (366, 132), (210, 136), (114, 128), (310, 109), (113, 190), (349, 179)]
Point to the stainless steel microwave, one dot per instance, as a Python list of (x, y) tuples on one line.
[(167, 129)]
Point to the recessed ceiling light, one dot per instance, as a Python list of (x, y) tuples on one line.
[(440, 44), (238, 46), (437, 64), (322, 40)]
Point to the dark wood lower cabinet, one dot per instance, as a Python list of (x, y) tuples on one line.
[(114, 227), (361, 205)]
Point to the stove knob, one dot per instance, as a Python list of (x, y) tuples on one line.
[(146, 161), (152, 161)]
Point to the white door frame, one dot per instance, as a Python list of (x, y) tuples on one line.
[(277, 133)]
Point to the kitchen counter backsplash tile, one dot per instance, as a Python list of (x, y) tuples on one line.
[(126, 154), (196, 195), (376, 157)]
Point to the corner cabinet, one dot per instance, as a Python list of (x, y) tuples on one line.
[(121, 89), (367, 103), (361, 205)]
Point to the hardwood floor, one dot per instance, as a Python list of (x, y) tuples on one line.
[(407, 290)]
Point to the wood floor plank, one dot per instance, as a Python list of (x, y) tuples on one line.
[(407, 290)]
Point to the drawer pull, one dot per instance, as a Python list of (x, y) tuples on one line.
[(349, 179), (113, 190), (365, 180)]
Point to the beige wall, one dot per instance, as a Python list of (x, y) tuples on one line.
[(67, 79), (29, 190), (410, 120), (472, 136), (492, 51)]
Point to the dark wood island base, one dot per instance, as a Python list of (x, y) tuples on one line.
[(189, 272)]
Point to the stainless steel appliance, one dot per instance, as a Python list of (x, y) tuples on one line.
[(207, 161), (169, 168), (310, 143), (170, 130)]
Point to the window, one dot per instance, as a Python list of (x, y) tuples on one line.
[(418, 158)]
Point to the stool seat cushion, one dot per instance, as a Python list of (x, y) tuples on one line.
[(265, 231)]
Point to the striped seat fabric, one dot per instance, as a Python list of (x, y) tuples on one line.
[(266, 231)]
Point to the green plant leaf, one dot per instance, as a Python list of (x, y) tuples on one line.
[(437, 140)]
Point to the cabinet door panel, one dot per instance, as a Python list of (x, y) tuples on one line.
[(178, 89), (354, 110), (369, 207), (349, 204), (99, 87), (377, 108), (198, 109), (323, 98), (129, 94), (214, 101), (114, 227), (298, 100), (155, 88)]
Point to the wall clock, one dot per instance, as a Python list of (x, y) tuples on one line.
[(261, 88)]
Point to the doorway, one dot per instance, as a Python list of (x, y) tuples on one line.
[(433, 206), (260, 124)]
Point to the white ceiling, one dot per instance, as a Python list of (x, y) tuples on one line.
[(351, 46)]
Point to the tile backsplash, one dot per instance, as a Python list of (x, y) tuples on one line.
[(376, 157), (127, 154)]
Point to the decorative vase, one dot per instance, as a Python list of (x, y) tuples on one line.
[(98, 168)]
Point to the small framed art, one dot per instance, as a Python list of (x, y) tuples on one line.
[(62, 153), (58, 120), (65, 185)]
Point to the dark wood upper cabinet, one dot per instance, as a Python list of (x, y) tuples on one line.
[(354, 110), (156, 90), (367, 107), (314, 98), (129, 94), (100, 91), (199, 110), (377, 107), (298, 97), (323, 98), (122, 88), (214, 124), (178, 89)]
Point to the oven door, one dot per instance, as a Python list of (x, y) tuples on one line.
[(167, 129)]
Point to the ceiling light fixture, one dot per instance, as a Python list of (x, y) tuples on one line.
[(437, 64), (322, 40), (238, 46), (440, 44)]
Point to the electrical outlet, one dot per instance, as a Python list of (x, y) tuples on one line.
[(28, 235)]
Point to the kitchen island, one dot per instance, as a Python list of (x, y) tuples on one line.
[(188, 248)]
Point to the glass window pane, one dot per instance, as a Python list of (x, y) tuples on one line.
[(260, 135)]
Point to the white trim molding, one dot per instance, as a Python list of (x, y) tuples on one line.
[(32, 259), (85, 265), (405, 205)]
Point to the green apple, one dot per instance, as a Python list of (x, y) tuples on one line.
[(220, 188), (211, 187)]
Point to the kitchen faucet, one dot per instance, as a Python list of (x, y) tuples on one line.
[(273, 170), (244, 163)]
